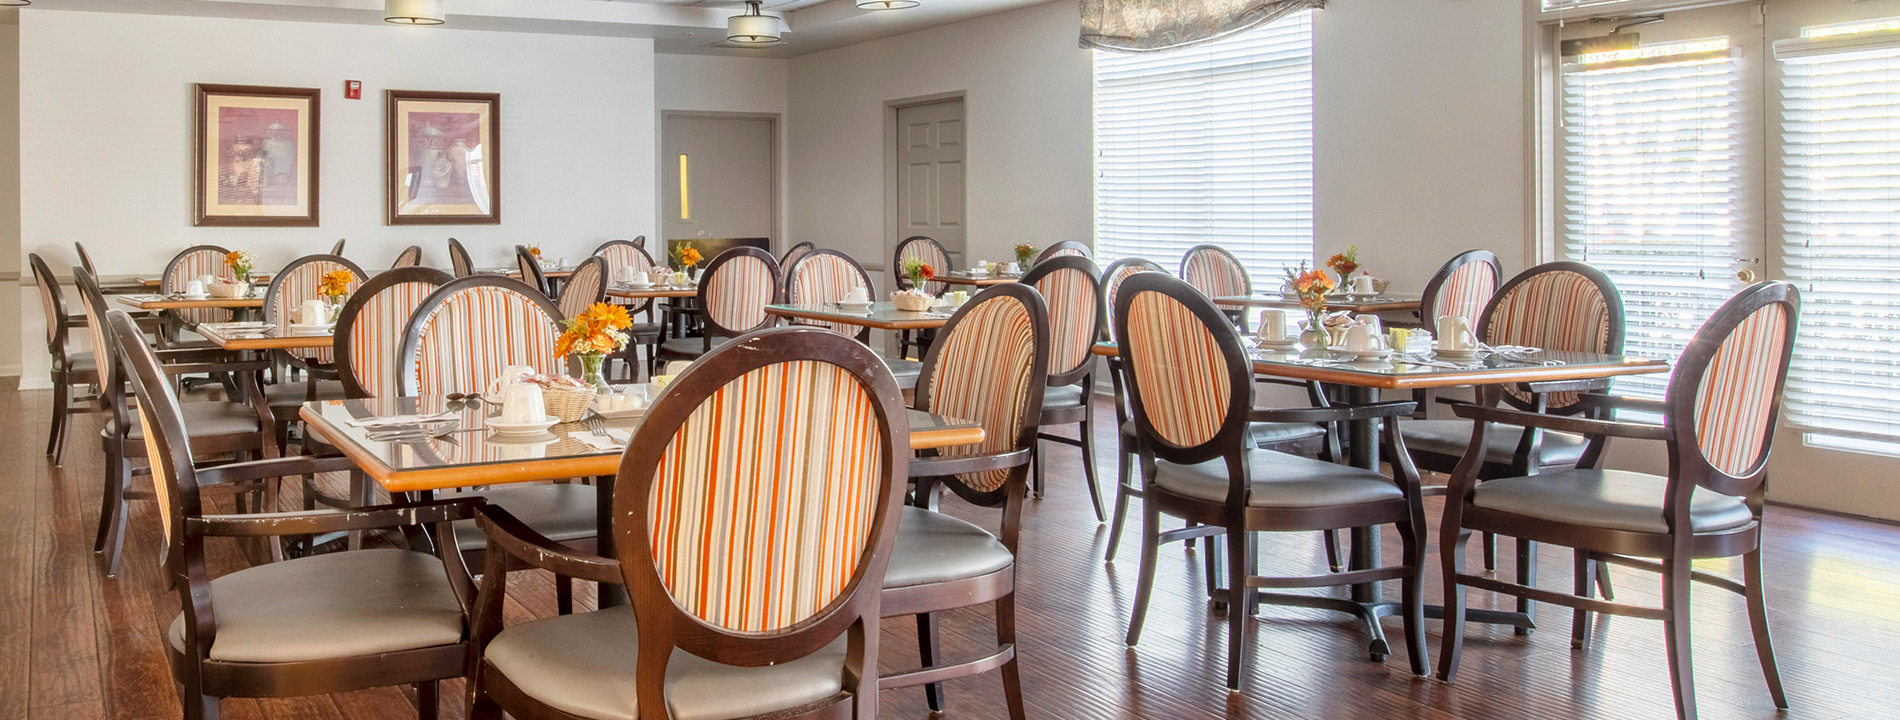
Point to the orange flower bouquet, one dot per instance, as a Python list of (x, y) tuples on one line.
[(241, 262), (598, 331), (535, 250), (335, 284), (914, 299), (1311, 285), (1345, 263)]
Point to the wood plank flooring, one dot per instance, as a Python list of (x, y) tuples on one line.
[(74, 644)]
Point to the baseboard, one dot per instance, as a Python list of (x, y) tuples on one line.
[(35, 383)]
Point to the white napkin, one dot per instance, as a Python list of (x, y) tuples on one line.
[(614, 439), (396, 420)]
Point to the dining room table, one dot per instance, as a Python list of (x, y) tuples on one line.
[(1363, 376), (1352, 302), (152, 281), (963, 277), (153, 301), (877, 315), (261, 335)]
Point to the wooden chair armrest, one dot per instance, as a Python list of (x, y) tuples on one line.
[(507, 534), (1583, 426), (946, 467), (1336, 413), (328, 521), (272, 468)]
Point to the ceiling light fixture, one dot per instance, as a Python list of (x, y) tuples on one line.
[(887, 4), (752, 28), (15, 3), (413, 12)]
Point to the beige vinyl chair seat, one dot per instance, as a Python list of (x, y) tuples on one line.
[(689, 347), (290, 394), (560, 512), (932, 547), (1280, 480), (1451, 437), (1264, 433), (1612, 499), (584, 665), (205, 419), (339, 605), (81, 362)]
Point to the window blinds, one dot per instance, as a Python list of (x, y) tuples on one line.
[(1649, 188), (1211, 143), (1840, 197)]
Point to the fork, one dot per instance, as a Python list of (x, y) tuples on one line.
[(594, 425)]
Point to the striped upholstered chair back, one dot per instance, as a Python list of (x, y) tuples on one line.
[(459, 261), (528, 265), (763, 556), (1564, 306), (928, 250), (1725, 394), (734, 290), (795, 252), (1066, 248), (1112, 277), (1461, 287), (409, 257), (628, 254), (1215, 272), (187, 266), (825, 276), (369, 330), (465, 334), (1190, 385), (989, 364), (1071, 288), (299, 281), (585, 286)]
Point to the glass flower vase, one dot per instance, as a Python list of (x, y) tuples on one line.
[(591, 364)]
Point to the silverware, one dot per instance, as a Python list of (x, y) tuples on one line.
[(595, 426)]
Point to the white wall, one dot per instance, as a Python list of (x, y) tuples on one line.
[(11, 259), (720, 85), (106, 132)]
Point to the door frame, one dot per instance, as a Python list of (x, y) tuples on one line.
[(777, 172), (891, 133)]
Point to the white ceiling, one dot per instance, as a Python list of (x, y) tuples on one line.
[(676, 26)]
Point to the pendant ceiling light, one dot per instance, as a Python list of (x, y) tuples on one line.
[(413, 12), (752, 28), (887, 4), (15, 3)]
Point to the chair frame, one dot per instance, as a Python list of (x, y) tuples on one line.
[(459, 261), (174, 321), (921, 341), (85, 258), (1237, 316), (791, 253), (1239, 520), (863, 334), (710, 327), (531, 272), (1047, 252), (600, 293), (1670, 553), (412, 331), (649, 333), (409, 257), (629, 561), (59, 324), (1428, 305), (270, 303), (1082, 374), (346, 319)]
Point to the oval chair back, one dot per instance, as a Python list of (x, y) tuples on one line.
[(465, 334), (1463, 286), (53, 303), (409, 257), (85, 259), (337, 249), (459, 261), (369, 330), (816, 277), (928, 250), (1190, 385), (586, 286), (640, 241), (794, 252), (837, 442), (989, 364), (529, 267), (1071, 289), (1112, 277), (734, 290), (299, 281), (1066, 248), (1215, 272), (628, 254), (1565, 306), (187, 266), (1725, 395)]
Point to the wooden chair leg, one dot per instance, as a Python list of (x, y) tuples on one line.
[(1451, 556), (563, 595), (1585, 572), (56, 435), (1237, 607), (1758, 622), (1676, 587), (1412, 591), (1088, 463), (1006, 635), (1603, 581), (1526, 576), (428, 700), (200, 707), (928, 651), (113, 522), (1035, 466), (1211, 547), (1333, 561), (1144, 586), (108, 495), (1123, 490), (1490, 552)]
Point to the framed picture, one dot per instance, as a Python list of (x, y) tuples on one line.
[(444, 158), (255, 156)]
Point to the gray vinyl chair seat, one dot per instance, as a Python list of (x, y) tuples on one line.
[(689, 347), (1064, 397), (290, 394), (206, 419), (339, 605), (932, 547), (1451, 437), (561, 512), (905, 370), (1280, 480), (584, 665), (1264, 433), (1612, 499), (81, 362)]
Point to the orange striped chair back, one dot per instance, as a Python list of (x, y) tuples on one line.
[(186, 267), (735, 289), (1179, 377), (927, 250), (1563, 306), (369, 331), (1215, 272), (1066, 248), (470, 330), (1069, 286), (459, 261), (1462, 287), (824, 276), (1738, 392), (989, 364), (1112, 278), (410, 257), (302, 280), (585, 286), (627, 254)]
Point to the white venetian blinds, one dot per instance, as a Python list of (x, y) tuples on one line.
[(1649, 187), (1211, 143), (1840, 197)]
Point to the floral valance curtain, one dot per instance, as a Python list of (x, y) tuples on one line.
[(1149, 25)]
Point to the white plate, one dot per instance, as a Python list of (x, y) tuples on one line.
[(206, 296), (1471, 354), (1378, 354), (1277, 344), (859, 307), (300, 329), (620, 414), (637, 286), (528, 428)]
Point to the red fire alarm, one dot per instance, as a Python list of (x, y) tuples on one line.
[(352, 89)]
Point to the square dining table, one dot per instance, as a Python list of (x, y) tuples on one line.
[(623, 290), (238, 336), (180, 302), (880, 316)]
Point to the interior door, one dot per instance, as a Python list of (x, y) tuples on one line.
[(717, 177), (930, 172)]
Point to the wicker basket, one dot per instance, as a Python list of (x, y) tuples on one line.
[(908, 302), (567, 404)]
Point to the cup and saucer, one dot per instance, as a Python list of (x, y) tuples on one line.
[(1284, 343), (1470, 353), (637, 285), (316, 329)]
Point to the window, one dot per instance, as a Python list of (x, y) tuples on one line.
[(1648, 187), (1208, 144), (1840, 205)]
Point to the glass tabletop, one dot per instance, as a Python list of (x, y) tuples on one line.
[(878, 314), (264, 335), (1337, 301), (1529, 363)]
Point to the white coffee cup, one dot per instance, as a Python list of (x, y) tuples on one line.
[(523, 403), (1013, 269), (207, 280), (509, 376), (195, 287), (1363, 284), (1272, 325), (1362, 338), (1378, 326), (857, 295), (638, 278), (1454, 334), (313, 312)]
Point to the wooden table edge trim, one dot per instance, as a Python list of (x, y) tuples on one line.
[(918, 324), (1636, 366)]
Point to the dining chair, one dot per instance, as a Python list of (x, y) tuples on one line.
[(69, 369), (632, 254), (188, 266), (337, 249), (714, 631), (1215, 272), (934, 253), (85, 259), (1461, 287), (300, 281), (990, 365), (1192, 391), (733, 292), (459, 261), (818, 277), (215, 426), (1718, 423), (369, 329), (1071, 289), (796, 250), (1066, 248), (586, 286), (322, 624), (409, 257), (530, 268)]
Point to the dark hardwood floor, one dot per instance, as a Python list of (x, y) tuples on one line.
[(74, 644)]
